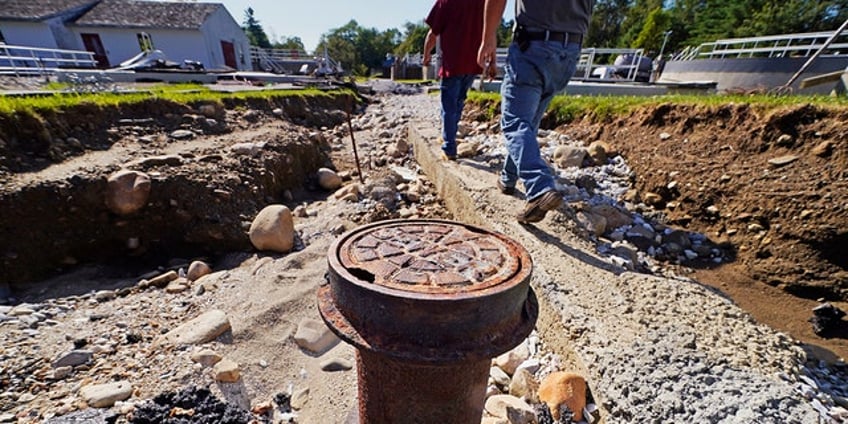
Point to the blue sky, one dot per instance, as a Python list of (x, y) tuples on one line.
[(311, 18)]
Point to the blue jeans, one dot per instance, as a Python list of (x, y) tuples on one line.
[(531, 80), (453, 92)]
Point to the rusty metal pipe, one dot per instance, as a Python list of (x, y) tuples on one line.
[(427, 304)]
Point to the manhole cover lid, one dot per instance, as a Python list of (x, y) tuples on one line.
[(431, 256)]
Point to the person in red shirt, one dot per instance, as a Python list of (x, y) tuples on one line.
[(458, 24)]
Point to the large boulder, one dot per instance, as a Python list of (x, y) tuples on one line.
[(273, 229), (127, 191)]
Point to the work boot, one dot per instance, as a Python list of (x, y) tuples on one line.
[(509, 191), (537, 208)]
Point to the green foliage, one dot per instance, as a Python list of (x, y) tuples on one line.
[(414, 35), (651, 36), (254, 30), (359, 49), (289, 43), (505, 33)]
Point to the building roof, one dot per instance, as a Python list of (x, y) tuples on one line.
[(39, 10), (147, 14)]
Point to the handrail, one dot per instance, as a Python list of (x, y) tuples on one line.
[(782, 45), (19, 60), (587, 65)]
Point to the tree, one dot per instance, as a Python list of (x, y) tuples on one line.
[(254, 30), (359, 49), (289, 43), (605, 26), (634, 20), (413, 38), (653, 32), (505, 33)]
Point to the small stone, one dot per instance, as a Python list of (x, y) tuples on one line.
[(105, 395), (782, 160), (177, 286), (206, 357), (567, 156), (524, 386), (336, 364), (511, 408), (182, 135), (314, 336), (198, 269), (226, 371), (73, 358), (104, 295), (499, 377), (329, 179), (299, 398), (202, 329), (562, 388)]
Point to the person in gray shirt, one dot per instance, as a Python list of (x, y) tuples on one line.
[(546, 44)]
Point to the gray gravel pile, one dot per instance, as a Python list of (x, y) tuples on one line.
[(663, 348)]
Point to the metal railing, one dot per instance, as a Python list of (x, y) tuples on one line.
[(599, 64), (22, 60), (784, 45)]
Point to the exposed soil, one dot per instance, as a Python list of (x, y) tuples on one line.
[(719, 171)]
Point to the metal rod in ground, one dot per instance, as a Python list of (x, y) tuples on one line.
[(353, 141)]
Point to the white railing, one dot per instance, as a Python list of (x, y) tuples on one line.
[(599, 64), (784, 45), (22, 60)]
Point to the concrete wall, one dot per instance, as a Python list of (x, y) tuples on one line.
[(220, 26), (122, 44)]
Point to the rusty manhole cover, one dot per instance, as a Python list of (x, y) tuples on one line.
[(428, 290), (431, 257)]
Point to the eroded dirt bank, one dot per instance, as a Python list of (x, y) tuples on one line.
[(54, 167)]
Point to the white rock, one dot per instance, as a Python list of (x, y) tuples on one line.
[(105, 395), (314, 336), (329, 179), (202, 329), (510, 408), (273, 229), (509, 361)]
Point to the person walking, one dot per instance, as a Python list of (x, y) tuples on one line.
[(546, 43), (458, 24)]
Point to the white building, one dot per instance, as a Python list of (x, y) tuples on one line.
[(112, 29)]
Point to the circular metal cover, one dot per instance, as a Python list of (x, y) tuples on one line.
[(430, 257)]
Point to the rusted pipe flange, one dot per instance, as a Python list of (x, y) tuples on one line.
[(429, 291)]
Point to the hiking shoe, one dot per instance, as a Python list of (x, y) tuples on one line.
[(509, 191), (537, 208), (446, 156)]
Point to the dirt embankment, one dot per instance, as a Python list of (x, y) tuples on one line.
[(54, 166), (771, 187)]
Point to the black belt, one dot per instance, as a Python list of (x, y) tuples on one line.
[(562, 37)]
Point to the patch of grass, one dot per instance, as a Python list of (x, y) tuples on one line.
[(567, 108), (179, 93)]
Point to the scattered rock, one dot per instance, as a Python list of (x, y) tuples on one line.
[(273, 229), (127, 191), (198, 269), (73, 358), (226, 371), (782, 160), (328, 179), (105, 395), (206, 357), (510, 408), (562, 388), (336, 364), (568, 156), (314, 336), (202, 329)]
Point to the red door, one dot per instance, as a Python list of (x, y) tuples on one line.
[(229, 54), (92, 44)]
